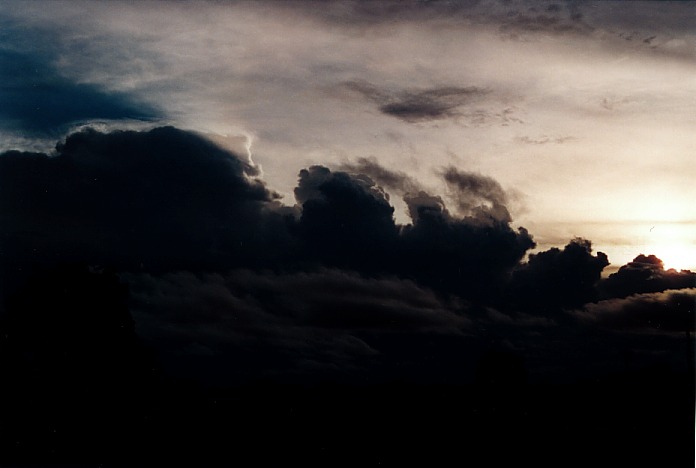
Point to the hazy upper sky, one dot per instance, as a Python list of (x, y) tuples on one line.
[(582, 111)]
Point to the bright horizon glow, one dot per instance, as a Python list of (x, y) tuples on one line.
[(671, 244)]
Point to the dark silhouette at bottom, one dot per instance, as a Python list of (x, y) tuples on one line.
[(79, 390)]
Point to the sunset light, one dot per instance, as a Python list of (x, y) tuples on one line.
[(674, 244)]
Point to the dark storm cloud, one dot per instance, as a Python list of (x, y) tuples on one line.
[(465, 256), (170, 199), (282, 323), (349, 220), (414, 106), (323, 298), (346, 220), (660, 312), (556, 279), (645, 274), (137, 200), (470, 255), (35, 98), (219, 269)]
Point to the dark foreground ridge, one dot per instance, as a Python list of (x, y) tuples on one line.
[(639, 417)]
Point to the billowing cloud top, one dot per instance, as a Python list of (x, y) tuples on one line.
[(202, 240)]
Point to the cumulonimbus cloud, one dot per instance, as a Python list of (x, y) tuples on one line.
[(168, 198), (217, 265)]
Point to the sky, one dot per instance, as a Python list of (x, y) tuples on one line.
[(582, 111), (361, 193)]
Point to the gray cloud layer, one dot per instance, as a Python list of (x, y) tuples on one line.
[(670, 311), (307, 322)]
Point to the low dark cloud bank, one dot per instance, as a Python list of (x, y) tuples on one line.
[(135, 261), (171, 202)]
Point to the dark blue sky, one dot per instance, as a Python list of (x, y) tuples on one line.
[(36, 99)]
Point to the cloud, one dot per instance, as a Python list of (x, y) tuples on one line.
[(423, 205), (396, 182), (230, 282), (220, 269), (349, 219), (461, 255), (425, 105), (645, 274), (670, 311), (556, 279), (152, 199), (553, 19), (649, 26), (170, 199), (346, 220), (279, 323), (477, 196), (544, 140)]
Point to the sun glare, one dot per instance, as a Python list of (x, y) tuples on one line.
[(672, 244)]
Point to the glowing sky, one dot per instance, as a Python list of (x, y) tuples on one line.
[(583, 111)]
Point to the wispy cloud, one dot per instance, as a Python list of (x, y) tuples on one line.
[(544, 140), (419, 105)]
